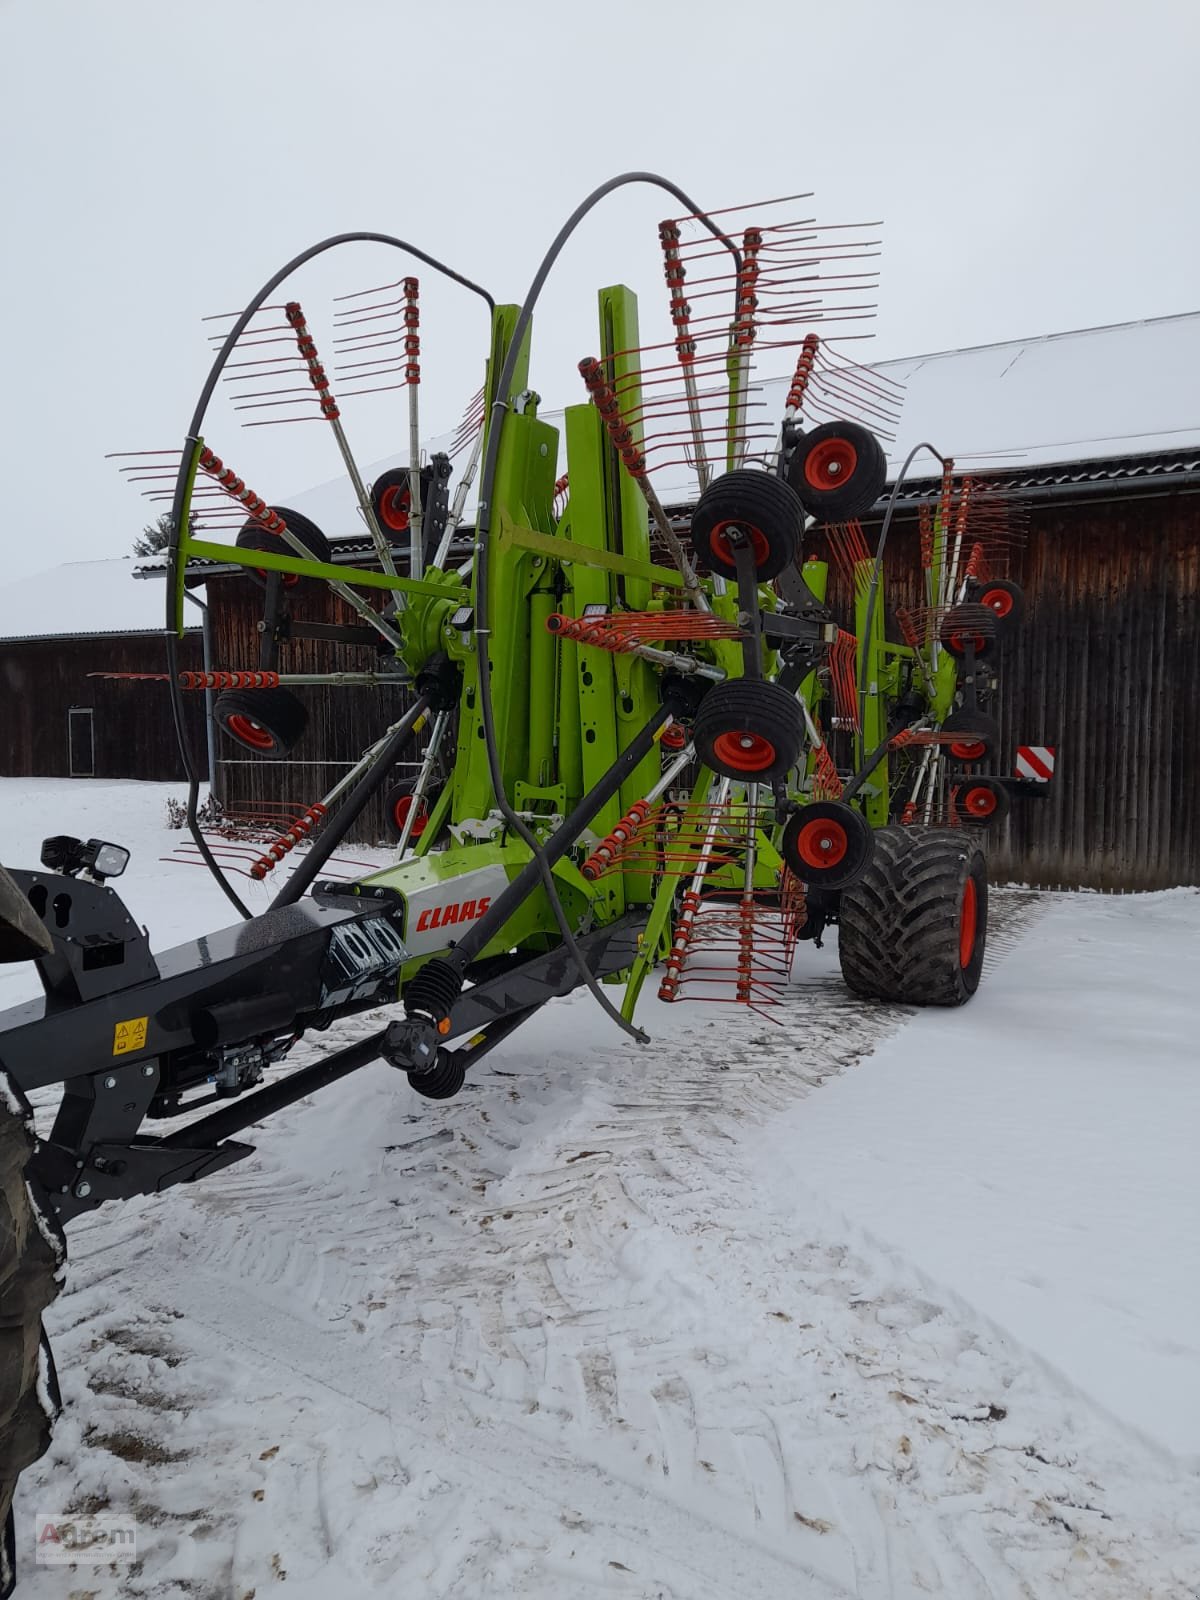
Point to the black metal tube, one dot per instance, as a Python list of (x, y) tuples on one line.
[(263, 1103), (334, 831), (559, 842)]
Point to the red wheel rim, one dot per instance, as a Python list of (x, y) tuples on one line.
[(830, 464), (980, 802), (997, 600), (968, 922), (969, 750), (250, 732), (822, 843), (393, 509), (744, 752), (958, 642), (718, 541), (400, 816)]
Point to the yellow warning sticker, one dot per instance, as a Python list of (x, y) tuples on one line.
[(130, 1035)]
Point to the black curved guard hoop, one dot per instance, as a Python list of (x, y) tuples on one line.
[(181, 487)]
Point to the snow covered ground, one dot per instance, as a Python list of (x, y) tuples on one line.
[(869, 1304)]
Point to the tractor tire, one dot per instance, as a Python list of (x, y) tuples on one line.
[(827, 844), (913, 928), (839, 470), (253, 536), (749, 729), (1006, 602), (32, 1253), (981, 801), (980, 736), (391, 500), (757, 504), (269, 722)]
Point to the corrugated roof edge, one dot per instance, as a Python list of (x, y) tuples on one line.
[(1137, 473)]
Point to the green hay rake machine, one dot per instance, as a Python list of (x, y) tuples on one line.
[(655, 741)]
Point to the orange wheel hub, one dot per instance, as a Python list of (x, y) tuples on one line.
[(393, 509), (719, 542), (830, 464), (979, 802), (250, 732), (822, 843), (744, 752)]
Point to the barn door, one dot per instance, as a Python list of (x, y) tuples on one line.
[(81, 748)]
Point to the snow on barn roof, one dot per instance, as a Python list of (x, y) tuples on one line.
[(78, 598), (1027, 408), (1124, 390)]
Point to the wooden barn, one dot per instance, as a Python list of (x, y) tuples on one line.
[(58, 630), (1094, 435)]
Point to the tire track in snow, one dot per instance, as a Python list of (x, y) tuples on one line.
[(568, 1320)]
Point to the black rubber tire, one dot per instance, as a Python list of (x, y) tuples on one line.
[(32, 1253), (806, 826), (444, 1082), (1006, 602), (862, 477), (389, 493), (392, 801), (757, 713), (981, 802), (253, 536), (981, 735), (969, 621), (765, 507), (277, 718), (901, 925)]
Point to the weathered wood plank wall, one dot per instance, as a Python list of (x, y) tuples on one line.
[(1106, 669), (133, 730)]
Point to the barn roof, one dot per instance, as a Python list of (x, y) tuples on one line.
[(80, 598), (1093, 407)]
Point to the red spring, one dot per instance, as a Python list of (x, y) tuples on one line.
[(229, 680), (909, 814), (745, 326), (977, 562), (908, 627), (925, 522), (412, 339), (628, 828), (689, 905), (946, 503), (681, 311), (827, 781), (803, 372), (622, 630), (288, 840), (842, 676), (316, 372), (606, 404), (233, 485), (900, 740), (745, 962)]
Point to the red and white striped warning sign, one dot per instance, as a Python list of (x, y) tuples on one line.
[(1035, 761)]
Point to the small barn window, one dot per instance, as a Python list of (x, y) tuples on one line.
[(81, 748)]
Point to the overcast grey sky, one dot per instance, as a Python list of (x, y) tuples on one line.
[(1035, 166)]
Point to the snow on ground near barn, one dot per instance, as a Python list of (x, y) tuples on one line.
[(869, 1304)]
